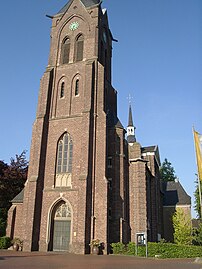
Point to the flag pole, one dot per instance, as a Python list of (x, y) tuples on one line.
[(199, 179)]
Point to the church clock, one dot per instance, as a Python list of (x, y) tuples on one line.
[(74, 25)]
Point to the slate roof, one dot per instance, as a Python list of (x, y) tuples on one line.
[(174, 194), (154, 149), (118, 124), (130, 118), (148, 149), (113, 120), (87, 3), (19, 198), (131, 139)]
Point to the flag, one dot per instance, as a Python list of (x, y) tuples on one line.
[(198, 147)]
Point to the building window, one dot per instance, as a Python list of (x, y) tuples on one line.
[(77, 87), (63, 212), (65, 51), (79, 48), (109, 162), (64, 154), (62, 90), (64, 162)]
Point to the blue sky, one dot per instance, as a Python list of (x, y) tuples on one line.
[(158, 60)]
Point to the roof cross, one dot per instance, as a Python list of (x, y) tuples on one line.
[(129, 99)]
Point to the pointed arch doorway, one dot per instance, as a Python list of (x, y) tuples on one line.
[(61, 227)]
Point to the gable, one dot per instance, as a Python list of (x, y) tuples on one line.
[(86, 3), (174, 194)]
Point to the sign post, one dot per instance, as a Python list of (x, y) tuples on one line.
[(141, 240)]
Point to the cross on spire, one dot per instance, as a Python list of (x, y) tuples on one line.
[(129, 99)]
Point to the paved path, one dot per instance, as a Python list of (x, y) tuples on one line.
[(50, 260)]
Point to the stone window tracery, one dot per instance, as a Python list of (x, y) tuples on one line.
[(63, 212), (64, 161)]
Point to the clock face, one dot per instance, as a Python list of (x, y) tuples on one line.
[(74, 25)]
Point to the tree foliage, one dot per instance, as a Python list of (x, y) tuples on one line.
[(197, 206), (167, 172), (182, 227), (197, 233), (12, 179), (3, 221)]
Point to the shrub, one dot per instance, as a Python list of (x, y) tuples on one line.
[(118, 248), (5, 242), (131, 248), (163, 250)]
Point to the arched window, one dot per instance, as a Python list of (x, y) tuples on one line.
[(77, 87), (64, 154), (79, 48), (62, 90), (63, 212), (65, 51)]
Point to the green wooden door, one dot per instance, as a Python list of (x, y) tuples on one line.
[(61, 227), (61, 235)]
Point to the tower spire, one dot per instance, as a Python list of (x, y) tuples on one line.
[(130, 117), (131, 128)]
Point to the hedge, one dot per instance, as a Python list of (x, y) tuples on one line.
[(5, 242), (163, 250)]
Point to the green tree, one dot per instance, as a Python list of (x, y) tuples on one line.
[(3, 217), (12, 179), (182, 227), (198, 235), (197, 206), (167, 172)]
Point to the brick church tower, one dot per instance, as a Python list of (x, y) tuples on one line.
[(66, 200), (85, 181)]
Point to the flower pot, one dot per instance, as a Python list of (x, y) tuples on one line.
[(95, 250), (15, 247)]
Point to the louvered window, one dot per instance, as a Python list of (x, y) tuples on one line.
[(62, 90), (64, 154), (65, 51), (79, 48), (77, 87)]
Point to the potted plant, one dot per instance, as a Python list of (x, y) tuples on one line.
[(17, 244), (95, 244)]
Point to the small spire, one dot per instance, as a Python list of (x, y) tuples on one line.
[(131, 128), (130, 117)]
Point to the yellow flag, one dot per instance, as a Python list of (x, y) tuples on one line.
[(198, 146)]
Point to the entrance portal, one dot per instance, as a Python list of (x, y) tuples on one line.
[(61, 227)]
